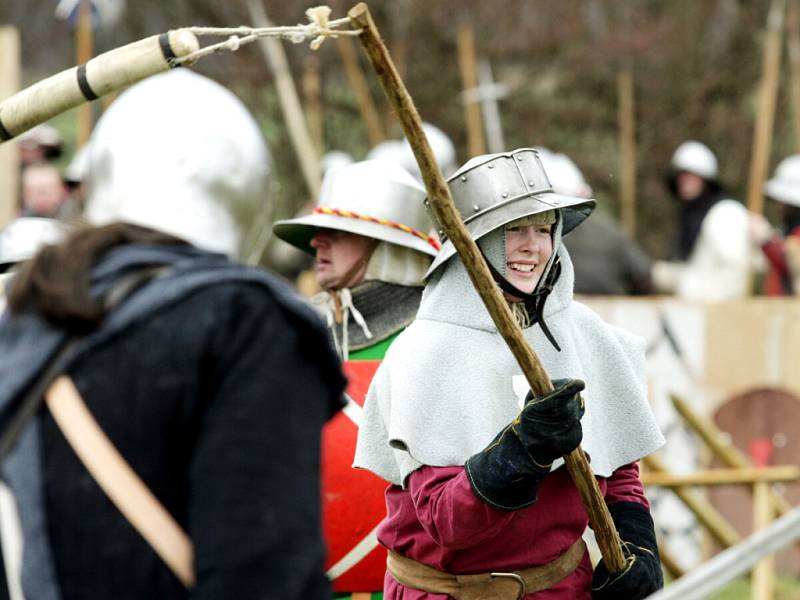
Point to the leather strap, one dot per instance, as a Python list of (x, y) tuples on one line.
[(119, 481), (485, 586)]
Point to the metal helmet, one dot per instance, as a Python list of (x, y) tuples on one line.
[(696, 158), (492, 190), (181, 154), (373, 198), (785, 183), (564, 174), (399, 151), (23, 238)]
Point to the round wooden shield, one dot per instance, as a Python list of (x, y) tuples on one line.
[(765, 425), (353, 499)]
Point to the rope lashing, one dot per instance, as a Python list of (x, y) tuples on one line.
[(319, 28), (351, 215)]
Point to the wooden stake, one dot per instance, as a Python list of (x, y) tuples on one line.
[(9, 155), (793, 46), (83, 53), (275, 56), (762, 133), (442, 205), (469, 80), (719, 528), (312, 91), (747, 475), (360, 87), (627, 150)]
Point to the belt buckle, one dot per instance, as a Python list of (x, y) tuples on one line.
[(523, 589)]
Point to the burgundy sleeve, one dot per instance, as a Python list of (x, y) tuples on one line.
[(773, 250), (624, 485), (449, 510)]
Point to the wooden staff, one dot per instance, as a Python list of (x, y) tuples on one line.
[(360, 87), (469, 79), (275, 56), (83, 54), (442, 205), (9, 157), (762, 134), (627, 150), (106, 73), (793, 46), (312, 91)]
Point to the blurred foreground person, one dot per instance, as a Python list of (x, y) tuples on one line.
[(606, 260), (480, 505), (781, 248), (211, 379), (711, 258), (370, 239)]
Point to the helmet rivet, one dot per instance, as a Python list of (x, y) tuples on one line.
[(519, 157), (530, 183), (463, 178), (475, 207), (491, 166), (441, 233), (505, 194), (427, 202)]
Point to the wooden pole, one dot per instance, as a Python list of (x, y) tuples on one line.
[(84, 51), (442, 205), (746, 475), (762, 134), (627, 150), (360, 87), (764, 572), (275, 56), (719, 528), (793, 46), (469, 80), (9, 154), (312, 91)]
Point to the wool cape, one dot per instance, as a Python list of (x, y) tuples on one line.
[(449, 383)]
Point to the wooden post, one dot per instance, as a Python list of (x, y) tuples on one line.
[(442, 205), (9, 154), (83, 54), (764, 572), (719, 528), (312, 91), (275, 56), (627, 150), (360, 87), (762, 133), (738, 476), (793, 46), (469, 80)]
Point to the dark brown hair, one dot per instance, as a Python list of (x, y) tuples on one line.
[(55, 283)]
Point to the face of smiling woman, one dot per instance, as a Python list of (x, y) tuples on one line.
[(528, 248)]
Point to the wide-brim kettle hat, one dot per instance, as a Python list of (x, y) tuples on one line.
[(374, 198), (785, 184), (492, 190)]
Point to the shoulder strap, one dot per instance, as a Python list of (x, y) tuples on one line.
[(119, 481)]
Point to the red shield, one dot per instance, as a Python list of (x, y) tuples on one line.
[(353, 500)]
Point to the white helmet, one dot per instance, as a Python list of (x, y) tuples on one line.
[(564, 174), (23, 238), (696, 158), (399, 151), (785, 184), (373, 198), (181, 154)]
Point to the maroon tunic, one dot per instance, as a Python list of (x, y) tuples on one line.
[(439, 521)]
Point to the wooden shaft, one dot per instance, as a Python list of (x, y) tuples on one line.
[(312, 92), (360, 87), (762, 134), (793, 45), (442, 204), (106, 73), (729, 454), (764, 571), (627, 151), (275, 56), (469, 80), (747, 475), (708, 516), (84, 51), (10, 76)]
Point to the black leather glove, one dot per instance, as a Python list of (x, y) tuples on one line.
[(642, 575), (507, 472)]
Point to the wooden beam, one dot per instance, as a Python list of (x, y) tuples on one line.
[(743, 476), (793, 47), (360, 87), (627, 150), (312, 92), (469, 81), (764, 572), (9, 154)]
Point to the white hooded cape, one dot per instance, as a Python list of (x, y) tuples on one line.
[(449, 384)]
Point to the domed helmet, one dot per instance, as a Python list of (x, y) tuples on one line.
[(23, 238), (785, 183), (695, 157), (181, 154), (400, 152), (373, 198)]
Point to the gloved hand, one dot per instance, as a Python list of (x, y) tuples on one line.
[(642, 575), (507, 472)]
